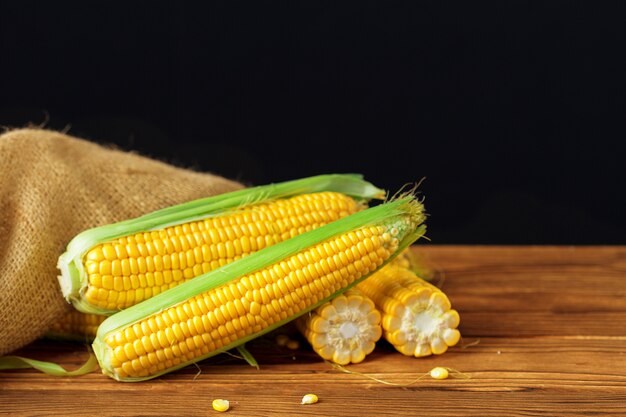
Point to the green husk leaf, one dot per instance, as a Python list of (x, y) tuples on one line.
[(73, 279), (247, 356), (50, 368), (382, 214)]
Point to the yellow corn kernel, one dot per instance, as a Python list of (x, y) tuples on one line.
[(439, 373), (309, 399), (221, 405)]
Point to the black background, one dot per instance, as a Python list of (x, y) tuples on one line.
[(512, 111)]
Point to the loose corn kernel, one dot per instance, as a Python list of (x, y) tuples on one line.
[(439, 373), (221, 405), (309, 399), (292, 345), (282, 340)]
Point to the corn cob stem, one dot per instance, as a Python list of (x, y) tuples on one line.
[(225, 308)]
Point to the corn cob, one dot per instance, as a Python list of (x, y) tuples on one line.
[(223, 309), (417, 316), (113, 267), (135, 267), (344, 330), (74, 325)]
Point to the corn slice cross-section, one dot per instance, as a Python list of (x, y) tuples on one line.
[(344, 330), (417, 316)]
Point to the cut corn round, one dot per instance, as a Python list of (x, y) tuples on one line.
[(116, 266), (417, 316), (214, 312), (344, 330)]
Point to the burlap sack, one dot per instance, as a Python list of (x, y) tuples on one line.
[(53, 186)]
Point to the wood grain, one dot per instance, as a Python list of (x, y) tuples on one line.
[(544, 334)]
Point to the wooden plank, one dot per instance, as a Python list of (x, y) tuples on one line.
[(548, 323), (525, 376), (508, 291)]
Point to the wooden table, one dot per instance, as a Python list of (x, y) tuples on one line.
[(544, 334)]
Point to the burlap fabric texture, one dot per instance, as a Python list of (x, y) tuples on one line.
[(53, 186)]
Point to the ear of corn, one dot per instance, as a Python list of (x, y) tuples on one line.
[(225, 308), (417, 316), (130, 269), (113, 267), (344, 330), (76, 326)]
